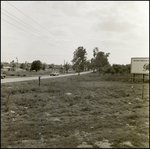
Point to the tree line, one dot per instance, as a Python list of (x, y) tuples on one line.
[(99, 63)]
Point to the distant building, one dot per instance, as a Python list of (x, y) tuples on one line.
[(7, 68), (55, 68)]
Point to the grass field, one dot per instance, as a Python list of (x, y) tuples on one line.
[(77, 111)]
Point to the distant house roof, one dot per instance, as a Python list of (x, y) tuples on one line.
[(54, 66), (7, 67)]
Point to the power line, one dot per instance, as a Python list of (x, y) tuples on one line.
[(32, 34), (35, 21), (34, 29), (24, 23), (32, 55), (17, 27), (17, 21)]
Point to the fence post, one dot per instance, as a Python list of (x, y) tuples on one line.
[(39, 80), (143, 92)]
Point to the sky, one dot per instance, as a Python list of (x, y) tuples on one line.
[(50, 31)]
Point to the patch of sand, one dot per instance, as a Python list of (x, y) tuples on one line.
[(85, 145), (103, 144)]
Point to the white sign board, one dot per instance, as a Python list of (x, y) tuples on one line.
[(140, 65)]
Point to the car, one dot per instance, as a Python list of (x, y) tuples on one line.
[(54, 74), (3, 76)]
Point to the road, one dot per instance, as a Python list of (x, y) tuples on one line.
[(8, 80)]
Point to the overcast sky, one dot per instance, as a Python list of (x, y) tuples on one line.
[(50, 31)]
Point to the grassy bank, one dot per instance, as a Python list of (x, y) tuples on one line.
[(25, 73), (77, 111), (14, 74)]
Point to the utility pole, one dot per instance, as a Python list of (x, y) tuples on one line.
[(64, 66), (17, 62)]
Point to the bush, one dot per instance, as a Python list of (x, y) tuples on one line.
[(12, 74)]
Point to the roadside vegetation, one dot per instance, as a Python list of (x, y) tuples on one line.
[(93, 110), (99, 63), (25, 73)]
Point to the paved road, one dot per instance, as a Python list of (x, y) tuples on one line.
[(8, 80)]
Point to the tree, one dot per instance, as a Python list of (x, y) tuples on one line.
[(44, 66), (6, 64), (22, 65), (95, 51), (106, 69), (101, 60), (92, 63), (128, 66), (2, 65), (67, 66), (88, 65), (16, 62), (36, 65), (51, 65), (13, 64), (112, 71), (79, 59), (116, 67), (122, 69)]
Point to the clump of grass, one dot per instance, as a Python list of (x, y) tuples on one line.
[(90, 95), (138, 106), (12, 74), (7, 103), (3, 95), (132, 116)]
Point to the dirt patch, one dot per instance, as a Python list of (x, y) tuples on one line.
[(128, 144), (85, 145), (103, 144)]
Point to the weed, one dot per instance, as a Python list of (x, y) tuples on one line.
[(7, 103)]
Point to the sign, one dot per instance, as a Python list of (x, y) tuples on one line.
[(140, 65)]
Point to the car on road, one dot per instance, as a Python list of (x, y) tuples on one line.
[(3, 76), (54, 74)]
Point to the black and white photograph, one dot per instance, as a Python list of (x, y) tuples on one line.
[(74, 74)]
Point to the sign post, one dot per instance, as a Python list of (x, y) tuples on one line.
[(133, 77)]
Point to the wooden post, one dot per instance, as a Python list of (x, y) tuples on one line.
[(39, 80), (133, 77), (143, 92), (143, 77)]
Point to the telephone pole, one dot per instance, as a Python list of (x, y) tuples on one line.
[(64, 66)]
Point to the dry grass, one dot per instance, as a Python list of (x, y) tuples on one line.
[(65, 112)]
